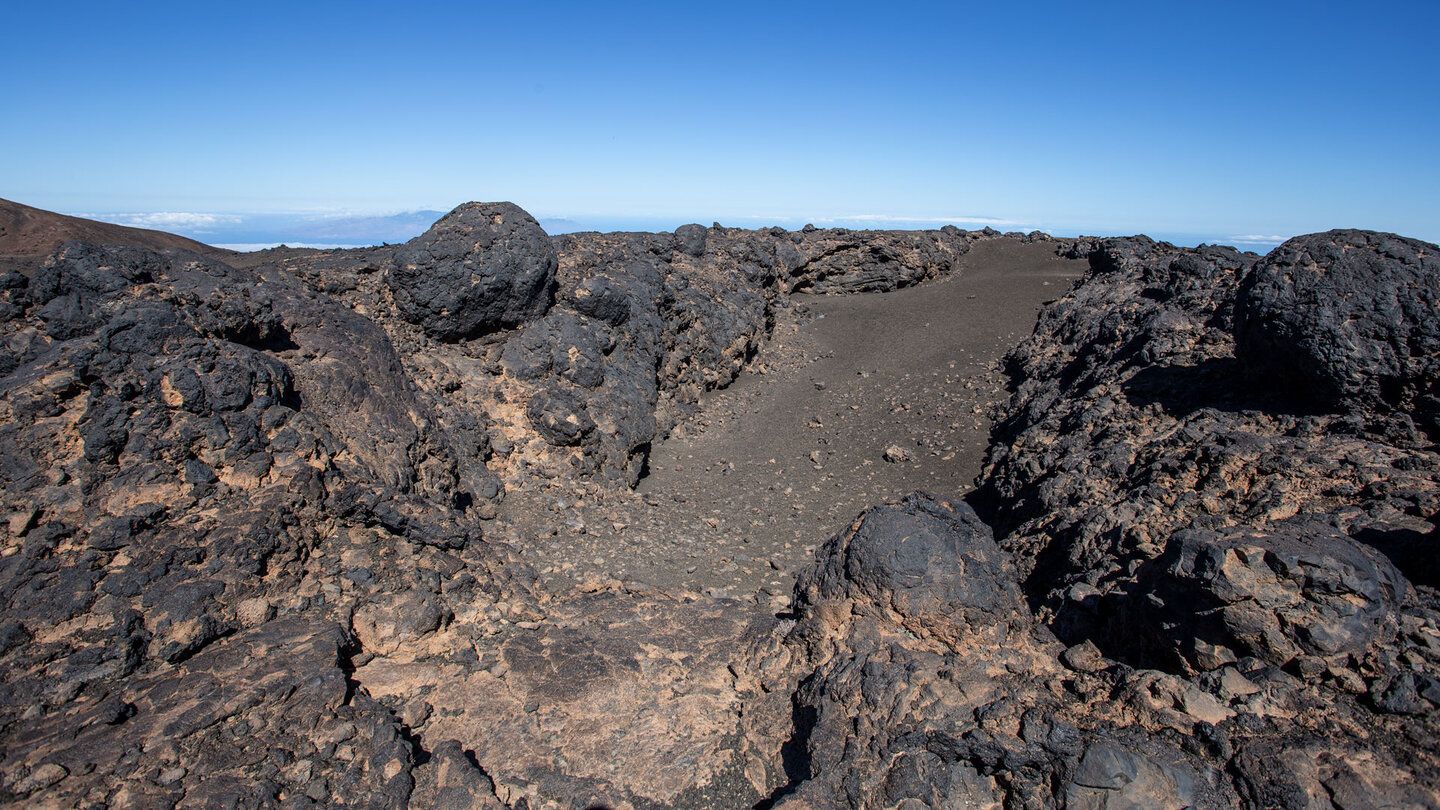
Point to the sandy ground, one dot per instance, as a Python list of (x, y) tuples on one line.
[(739, 498)]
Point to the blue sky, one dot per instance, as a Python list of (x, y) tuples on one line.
[(1194, 121)]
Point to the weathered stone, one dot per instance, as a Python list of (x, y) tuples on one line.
[(1347, 318), (244, 563), (482, 267)]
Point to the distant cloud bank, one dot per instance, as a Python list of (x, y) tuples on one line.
[(257, 231), (241, 231), (173, 221), (1255, 239), (893, 220)]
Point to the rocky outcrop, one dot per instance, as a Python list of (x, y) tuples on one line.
[(1211, 467), (245, 544), (482, 267), (246, 562), (929, 566), (628, 328), (1347, 318), (205, 468), (933, 686), (1296, 587)]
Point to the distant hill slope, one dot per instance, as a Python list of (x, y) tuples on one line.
[(33, 232)]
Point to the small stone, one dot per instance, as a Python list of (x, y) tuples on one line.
[(415, 714), (1083, 657), (23, 521), (1348, 680), (170, 776), (254, 612), (41, 777), (895, 454), (1233, 684), (1309, 666)]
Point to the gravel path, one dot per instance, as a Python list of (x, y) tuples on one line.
[(856, 400)]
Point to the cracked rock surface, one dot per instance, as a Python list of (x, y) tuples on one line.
[(488, 520)]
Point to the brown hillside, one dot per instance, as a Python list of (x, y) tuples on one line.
[(27, 232)]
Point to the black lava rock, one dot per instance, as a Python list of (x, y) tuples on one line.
[(482, 267), (1348, 319), (560, 417), (691, 239), (932, 562)]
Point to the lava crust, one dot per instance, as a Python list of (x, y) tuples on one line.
[(718, 518)]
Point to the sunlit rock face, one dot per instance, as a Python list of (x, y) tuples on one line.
[(249, 560)]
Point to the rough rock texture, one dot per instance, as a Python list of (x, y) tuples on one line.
[(640, 326), (931, 567), (244, 562), (202, 466), (1174, 506), (932, 686), (1349, 318), (481, 267)]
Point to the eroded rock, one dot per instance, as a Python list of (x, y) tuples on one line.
[(1348, 318), (246, 562), (482, 267)]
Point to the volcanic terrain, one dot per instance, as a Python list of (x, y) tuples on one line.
[(717, 518)]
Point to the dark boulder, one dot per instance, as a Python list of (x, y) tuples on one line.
[(603, 299), (1348, 319), (1299, 587), (931, 562), (76, 287), (482, 267), (691, 239), (1111, 776), (560, 417), (562, 343)]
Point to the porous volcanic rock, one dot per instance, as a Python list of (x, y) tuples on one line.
[(932, 685), (245, 552), (640, 326), (933, 567), (1172, 506), (481, 267), (191, 451), (1296, 587), (246, 560), (1348, 317)]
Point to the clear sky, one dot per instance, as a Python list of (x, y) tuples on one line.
[(1218, 119)]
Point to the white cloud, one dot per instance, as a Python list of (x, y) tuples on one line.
[(892, 218), (1256, 239), (166, 220), (250, 247)]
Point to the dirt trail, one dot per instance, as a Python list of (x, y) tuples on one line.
[(737, 499)]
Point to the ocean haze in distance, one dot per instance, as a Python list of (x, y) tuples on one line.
[(256, 231), (326, 230)]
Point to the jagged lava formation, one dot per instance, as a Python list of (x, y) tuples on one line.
[(246, 561)]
